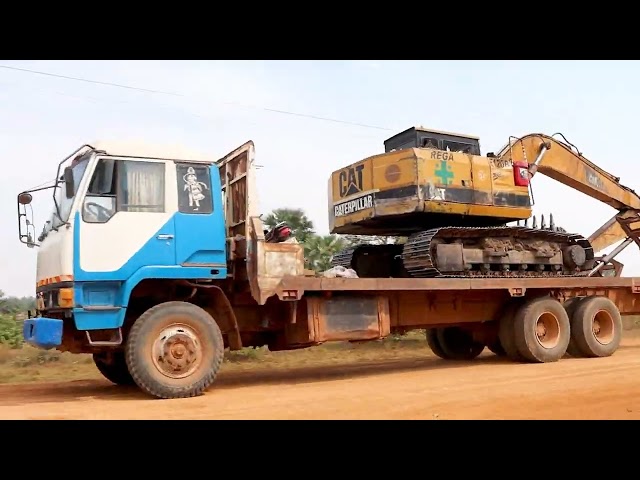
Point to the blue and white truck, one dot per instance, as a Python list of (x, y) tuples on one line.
[(154, 261)]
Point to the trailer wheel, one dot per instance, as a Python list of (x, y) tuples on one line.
[(596, 327), (497, 348), (174, 350), (506, 334), (570, 306), (434, 344), (458, 344), (113, 367), (542, 330)]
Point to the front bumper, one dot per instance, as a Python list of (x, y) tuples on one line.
[(43, 332)]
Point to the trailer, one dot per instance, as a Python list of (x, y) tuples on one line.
[(143, 265), (530, 320)]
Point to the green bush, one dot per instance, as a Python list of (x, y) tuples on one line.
[(11, 331)]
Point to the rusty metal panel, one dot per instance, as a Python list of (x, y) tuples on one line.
[(411, 309), (349, 318), (281, 259), (412, 284), (302, 331), (268, 263), (237, 179), (384, 316)]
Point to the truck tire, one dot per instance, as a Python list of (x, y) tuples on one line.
[(506, 334), (542, 330), (174, 350), (570, 306), (458, 344), (596, 327), (434, 344), (113, 367)]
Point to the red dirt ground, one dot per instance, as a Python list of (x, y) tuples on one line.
[(422, 388)]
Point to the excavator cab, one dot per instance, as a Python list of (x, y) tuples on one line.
[(419, 137)]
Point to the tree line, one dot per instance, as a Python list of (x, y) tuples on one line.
[(15, 305), (12, 311)]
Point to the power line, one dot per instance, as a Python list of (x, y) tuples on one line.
[(176, 94), (90, 81)]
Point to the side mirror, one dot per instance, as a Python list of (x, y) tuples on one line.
[(68, 182), (24, 198)]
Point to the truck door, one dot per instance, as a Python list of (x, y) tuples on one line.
[(126, 219), (199, 222)]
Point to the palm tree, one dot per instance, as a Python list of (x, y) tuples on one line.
[(318, 250), (300, 224)]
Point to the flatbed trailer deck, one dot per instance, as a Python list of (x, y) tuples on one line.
[(489, 310), (310, 284)]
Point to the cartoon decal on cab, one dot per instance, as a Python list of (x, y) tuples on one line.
[(193, 183), (194, 188)]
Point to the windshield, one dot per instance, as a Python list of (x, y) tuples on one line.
[(61, 216)]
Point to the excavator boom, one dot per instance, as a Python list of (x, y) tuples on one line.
[(564, 163)]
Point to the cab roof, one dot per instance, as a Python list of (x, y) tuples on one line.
[(136, 148)]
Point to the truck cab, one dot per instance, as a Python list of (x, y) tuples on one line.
[(140, 235), (121, 215)]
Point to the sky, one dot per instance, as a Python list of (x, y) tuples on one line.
[(307, 119)]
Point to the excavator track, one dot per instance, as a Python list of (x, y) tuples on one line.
[(489, 252)]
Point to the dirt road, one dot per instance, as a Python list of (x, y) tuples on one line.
[(420, 388)]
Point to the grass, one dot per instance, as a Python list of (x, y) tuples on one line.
[(28, 364)]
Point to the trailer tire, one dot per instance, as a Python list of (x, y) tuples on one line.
[(113, 367), (506, 334), (458, 344), (596, 327), (542, 330), (174, 350), (434, 344), (497, 348), (570, 306)]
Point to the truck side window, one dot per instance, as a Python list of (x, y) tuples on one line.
[(194, 188), (124, 186)]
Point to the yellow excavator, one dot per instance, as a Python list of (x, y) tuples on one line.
[(454, 206)]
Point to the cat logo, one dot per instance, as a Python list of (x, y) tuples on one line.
[(350, 180)]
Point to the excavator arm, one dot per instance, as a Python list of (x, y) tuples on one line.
[(564, 163)]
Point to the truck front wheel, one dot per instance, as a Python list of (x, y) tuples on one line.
[(174, 350)]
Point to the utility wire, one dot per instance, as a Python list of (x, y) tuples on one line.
[(177, 94)]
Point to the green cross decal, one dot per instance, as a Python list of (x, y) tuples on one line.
[(444, 173)]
